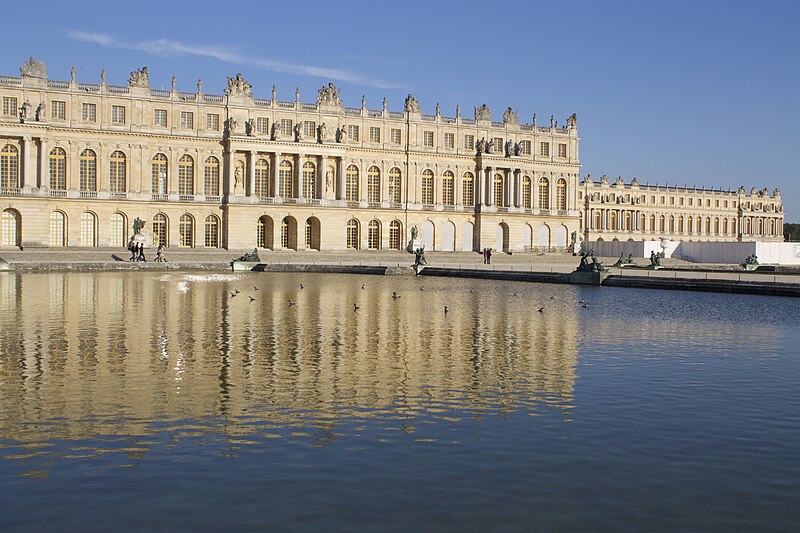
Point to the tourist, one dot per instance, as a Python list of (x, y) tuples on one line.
[(489, 256), (141, 252), (485, 255), (132, 250), (160, 254)]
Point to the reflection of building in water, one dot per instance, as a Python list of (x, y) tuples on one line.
[(108, 353)]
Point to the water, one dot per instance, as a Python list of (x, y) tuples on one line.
[(133, 401)]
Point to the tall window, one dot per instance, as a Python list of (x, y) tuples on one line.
[(9, 228), (89, 112), (212, 232), (186, 175), (9, 167), (160, 230), (58, 110), (88, 171), (264, 232), (351, 183), (469, 189), (160, 118), (58, 229), (544, 193), (544, 149), (117, 114), (286, 228), (374, 235), (159, 174), (427, 187), (117, 181), (562, 150), (469, 142), (285, 178), (309, 180), (352, 234), (310, 129), (186, 230), (117, 234), (58, 169), (498, 190), (427, 138), (561, 194), (525, 147), (374, 134), (396, 136), (187, 120), (449, 140), (9, 106), (394, 186), (212, 122), (526, 192), (394, 235), (352, 133), (448, 185), (286, 126), (262, 125), (498, 145), (211, 177), (373, 184), (262, 178), (88, 230)]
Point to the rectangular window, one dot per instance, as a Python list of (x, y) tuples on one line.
[(691, 201), (286, 126), (449, 140), (671, 200), (58, 110), (544, 149), (117, 114), (89, 113), (310, 129), (663, 200), (352, 133), (562, 150), (680, 200), (716, 203), (187, 120), (498, 145), (525, 147), (212, 122), (374, 134), (160, 118), (262, 125), (9, 106), (427, 138), (396, 136), (469, 142)]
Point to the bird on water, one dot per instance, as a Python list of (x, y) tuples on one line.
[(356, 307)]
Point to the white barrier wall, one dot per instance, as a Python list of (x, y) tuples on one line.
[(768, 253)]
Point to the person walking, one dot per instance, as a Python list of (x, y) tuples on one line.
[(132, 250), (160, 254), (141, 252), (489, 256), (485, 254)]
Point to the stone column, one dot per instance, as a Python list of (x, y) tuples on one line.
[(299, 193), (44, 164), (274, 179), (322, 182), (518, 188), (229, 185), (25, 175), (477, 186), (251, 173), (488, 186), (340, 166)]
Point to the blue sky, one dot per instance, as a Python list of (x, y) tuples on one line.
[(698, 93)]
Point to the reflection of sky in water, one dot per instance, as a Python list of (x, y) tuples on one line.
[(141, 391)]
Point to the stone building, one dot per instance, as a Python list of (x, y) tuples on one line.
[(79, 162), (620, 211)]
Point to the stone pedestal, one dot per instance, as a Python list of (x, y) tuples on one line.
[(588, 278), (413, 245)]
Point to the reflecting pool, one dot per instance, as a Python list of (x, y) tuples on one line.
[(303, 402)]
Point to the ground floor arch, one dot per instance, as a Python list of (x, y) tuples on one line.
[(313, 233), (428, 231), (11, 228), (467, 238), (448, 237), (544, 237)]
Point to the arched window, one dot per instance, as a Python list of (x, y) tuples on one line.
[(733, 226), (9, 228), (652, 223), (117, 174), (725, 226), (468, 189), (9, 167), (642, 220), (212, 231), (312, 233), (699, 225), (373, 184), (708, 225), (427, 187), (612, 217), (374, 235), (211, 177), (88, 230), (309, 180), (671, 224), (58, 229), (448, 188), (680, 224), (262, 178), (58, 169), (351, 183), (561, 194), (160, 230), (598, 219), (628, 221), (353, 235), (395, 186), (544, 193), (186, 229), (497, 190), (716, 225), (285, 177), (661, 224), (689, 224), (395, 230), (186, 175), (88, 170), (159, 174), (526, 192), (264, 232), (117, 235)]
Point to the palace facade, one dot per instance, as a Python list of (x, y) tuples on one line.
[(79, 162), (620, 211)]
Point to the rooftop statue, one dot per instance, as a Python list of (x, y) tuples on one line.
[(139, 78), (329, 95), (33, 68), (238, 86), (411, 105), (482, 113), (572, 121), (509, 148), (510, 116)]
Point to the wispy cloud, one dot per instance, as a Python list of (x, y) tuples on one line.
[(169, 48)]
